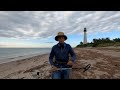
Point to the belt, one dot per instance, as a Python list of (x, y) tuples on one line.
[(61, 62)]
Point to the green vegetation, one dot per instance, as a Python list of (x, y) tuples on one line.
[(103, 42)]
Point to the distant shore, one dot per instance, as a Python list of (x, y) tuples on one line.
[(105, 63)]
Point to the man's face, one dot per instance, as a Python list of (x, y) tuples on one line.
[(61, 39)]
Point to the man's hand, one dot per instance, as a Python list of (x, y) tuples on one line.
[(70, 63), (53, 68)]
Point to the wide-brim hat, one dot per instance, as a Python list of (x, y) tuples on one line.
[(60, 34)]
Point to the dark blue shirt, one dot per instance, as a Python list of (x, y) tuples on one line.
[(62, 54)]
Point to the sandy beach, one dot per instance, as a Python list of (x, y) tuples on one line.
[(25, 68), (105, 64)]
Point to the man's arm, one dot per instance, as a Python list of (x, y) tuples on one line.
[(52, 53), (72, 53)]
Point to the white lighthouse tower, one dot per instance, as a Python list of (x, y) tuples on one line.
[(85, 36)]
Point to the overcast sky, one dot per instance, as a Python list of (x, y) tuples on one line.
[(38, 28)]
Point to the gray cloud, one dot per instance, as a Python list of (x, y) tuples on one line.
[(44, 24), (49, 42)]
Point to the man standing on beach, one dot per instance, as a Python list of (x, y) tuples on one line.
[(61, 52)]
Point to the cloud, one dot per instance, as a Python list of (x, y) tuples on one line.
[(45, 24), (49, 42)]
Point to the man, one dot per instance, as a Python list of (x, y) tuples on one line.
[(61, 53)]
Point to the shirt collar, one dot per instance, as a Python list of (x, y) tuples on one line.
[(64, 44)]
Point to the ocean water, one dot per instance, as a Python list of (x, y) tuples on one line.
[(7, 53)]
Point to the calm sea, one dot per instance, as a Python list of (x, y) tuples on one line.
[(6, 53)]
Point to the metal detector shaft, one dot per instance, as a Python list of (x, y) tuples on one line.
[(64, 68), (85, 68)]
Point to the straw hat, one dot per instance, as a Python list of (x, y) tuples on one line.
[(59, 35)]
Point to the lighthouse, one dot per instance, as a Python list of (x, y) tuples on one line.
[(85, 36)]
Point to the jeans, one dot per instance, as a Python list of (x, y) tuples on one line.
[(61, 74)]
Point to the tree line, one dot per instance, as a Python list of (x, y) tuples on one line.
[(101, 42)]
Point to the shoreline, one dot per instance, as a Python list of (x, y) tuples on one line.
[(7, 60), (105, 64), (18, 69)]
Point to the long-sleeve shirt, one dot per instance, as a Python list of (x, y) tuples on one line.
[(62, 54)]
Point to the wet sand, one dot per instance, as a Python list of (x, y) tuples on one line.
[(105, 64)]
